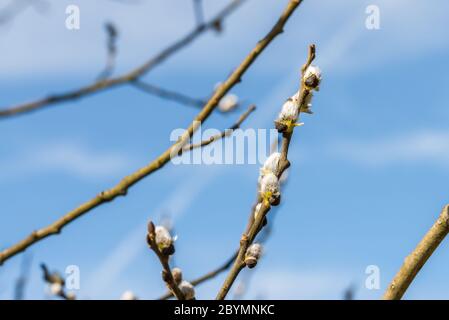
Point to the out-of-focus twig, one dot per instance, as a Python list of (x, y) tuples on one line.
[(21, 282), (56, 283), (111, 45), (199, 14), (125, 78), (416, 260), (168, 94)]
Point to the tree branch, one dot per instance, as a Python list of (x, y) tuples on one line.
[(122, 187), (416, 260), (123, 79), (168, 94), (256, 224)]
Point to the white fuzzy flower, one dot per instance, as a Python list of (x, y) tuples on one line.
[(228, 103), (312, 77), (187, 289), (253, 254), (56, 289), (128, 295), (271, 164), (269, 188), (177, 275), (289, 111), (164, 240), (70, 296)]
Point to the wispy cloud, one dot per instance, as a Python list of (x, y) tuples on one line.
[(74, 159), (425, 147)]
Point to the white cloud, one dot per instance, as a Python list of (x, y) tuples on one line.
[(73, 159), (425, 147)]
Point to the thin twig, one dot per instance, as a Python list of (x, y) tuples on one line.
[(125, 78), (416, 260), (112, 34), (168, 94), (256, 224), (199, 14), (122, 187), (211, 274)]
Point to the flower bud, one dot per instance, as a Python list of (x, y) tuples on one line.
[(164, 241), (252, 255), (312, 77), (70, 296), (187, 289), (270, 189), (272, 164), (56, 289), (288, 116), (177, 275), (128, 295), (228, 103)]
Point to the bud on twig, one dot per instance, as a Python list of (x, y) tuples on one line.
[(164, 241), (228, 103), (187, 289), (177, 275), (253, 254), (272, 164), (270, 189), (288, 116)]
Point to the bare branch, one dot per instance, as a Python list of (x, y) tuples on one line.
[(416, 260), (122, 187), (168, 94), (125, 78)]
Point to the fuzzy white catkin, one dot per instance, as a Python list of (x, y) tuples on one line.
[(70, 296), (163, 237), (254, 251), (228, 102), (56, 288), (128, 295), (270, 184), (272, 164), (313, 71), (289, 111), (177, 275), (187, 289)]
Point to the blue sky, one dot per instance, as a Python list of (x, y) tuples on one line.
[(369, 168)]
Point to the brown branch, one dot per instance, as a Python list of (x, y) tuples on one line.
[(416, 260), (123, 79), (122, 187), (168, 94), (256, 225)]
